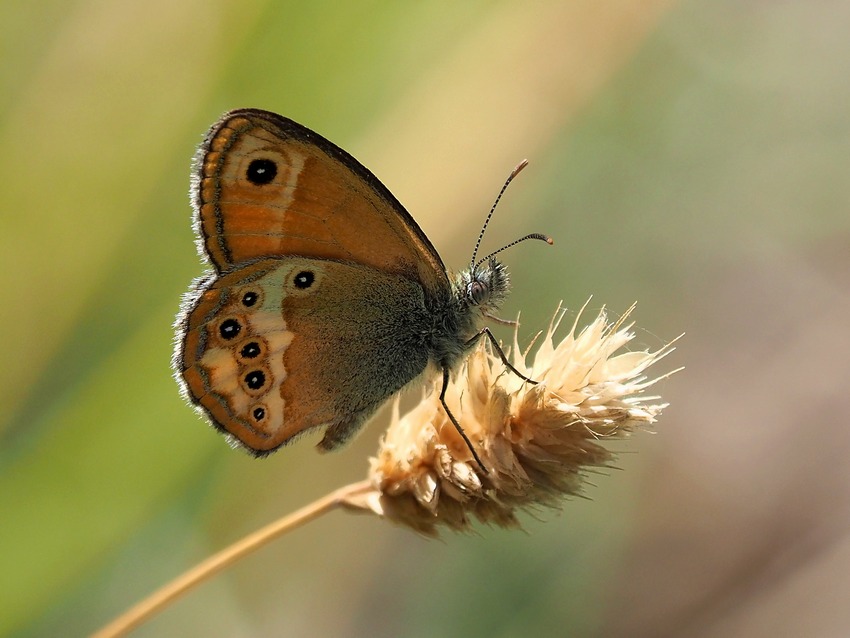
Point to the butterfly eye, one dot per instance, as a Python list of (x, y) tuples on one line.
[(477, 292), (304, 279), (261, 171), (229, 329)]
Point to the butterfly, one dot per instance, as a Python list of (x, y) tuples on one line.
[(325, 297)]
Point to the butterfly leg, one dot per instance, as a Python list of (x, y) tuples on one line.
[(486, 332), (504, 322), (455, 421)]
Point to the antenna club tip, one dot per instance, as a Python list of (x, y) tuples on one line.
[(541, 237), (518, 168)]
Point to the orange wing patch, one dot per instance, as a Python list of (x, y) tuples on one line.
[(270, 187), (233, 365)]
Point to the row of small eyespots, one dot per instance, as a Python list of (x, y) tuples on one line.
[(230, 328), (254, 347)]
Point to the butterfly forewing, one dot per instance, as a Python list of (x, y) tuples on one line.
[(270, 187)]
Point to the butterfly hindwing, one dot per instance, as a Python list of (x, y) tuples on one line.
[(280, 346)]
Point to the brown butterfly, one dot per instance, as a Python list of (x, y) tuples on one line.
[(326, 297)]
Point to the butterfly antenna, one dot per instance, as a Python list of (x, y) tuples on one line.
[(513, 174), (539, 236)]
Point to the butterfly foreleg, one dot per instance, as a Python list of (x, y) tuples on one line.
[(504, 322), (498, 348)]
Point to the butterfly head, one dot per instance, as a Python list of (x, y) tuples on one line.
[(484, 286)]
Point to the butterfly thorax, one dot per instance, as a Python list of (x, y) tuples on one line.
[(475, 294)]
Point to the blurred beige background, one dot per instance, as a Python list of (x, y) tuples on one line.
[(692, 156)]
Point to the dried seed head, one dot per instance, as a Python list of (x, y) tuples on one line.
[(535, 440)]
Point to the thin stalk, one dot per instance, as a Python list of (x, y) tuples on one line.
[(167, 594)]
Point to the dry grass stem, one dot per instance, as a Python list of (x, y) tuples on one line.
[(145, 609)]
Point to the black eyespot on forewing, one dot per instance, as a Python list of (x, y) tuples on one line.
[(261, 171), (304, 279), (250, 298), (259, 413), (229, 329)]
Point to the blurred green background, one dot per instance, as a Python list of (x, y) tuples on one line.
[(692, 156)]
